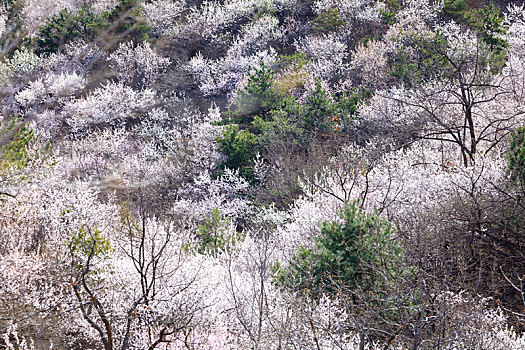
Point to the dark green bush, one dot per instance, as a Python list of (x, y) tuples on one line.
[(265, 118), (388, 15), (240, 148), (516, 156), (124, 22), (14, 152), (67, 26), (258, 98), (420, 58), (455, 8), (354, 252), (327, 22), (488, 22), (319, 110), (214, 236)]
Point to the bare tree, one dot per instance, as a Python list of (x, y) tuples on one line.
[(147, 306)]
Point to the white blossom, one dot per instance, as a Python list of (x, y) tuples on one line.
[(139, 65)]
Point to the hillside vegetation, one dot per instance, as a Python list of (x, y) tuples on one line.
[(262, 174)]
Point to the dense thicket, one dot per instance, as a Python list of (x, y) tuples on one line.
[(262, 174)]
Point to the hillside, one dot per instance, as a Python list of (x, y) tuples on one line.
[(262, 174)]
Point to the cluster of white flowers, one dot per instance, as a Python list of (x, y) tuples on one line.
[(515, 68), (386, 111), (328, 54), (207, 194), (34, 93), (109, 104), (352, 11), (36, 12), (474, 324), (46, 124), (51, 88), (212, 17), (425, 10), (137, 65), (216, 77), (100, 6), (249, 49), (256, 36), (461, 44), (162, 15), (21, 64), (20, 342), (78, 57), (515, 19), (96, 156), (370, 64), (63, 85), (3, 21)]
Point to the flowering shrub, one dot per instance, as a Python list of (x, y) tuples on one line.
[(162, 16), (22, 63), (328, 56), (110, 105), (137, 66), (36, 12)]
